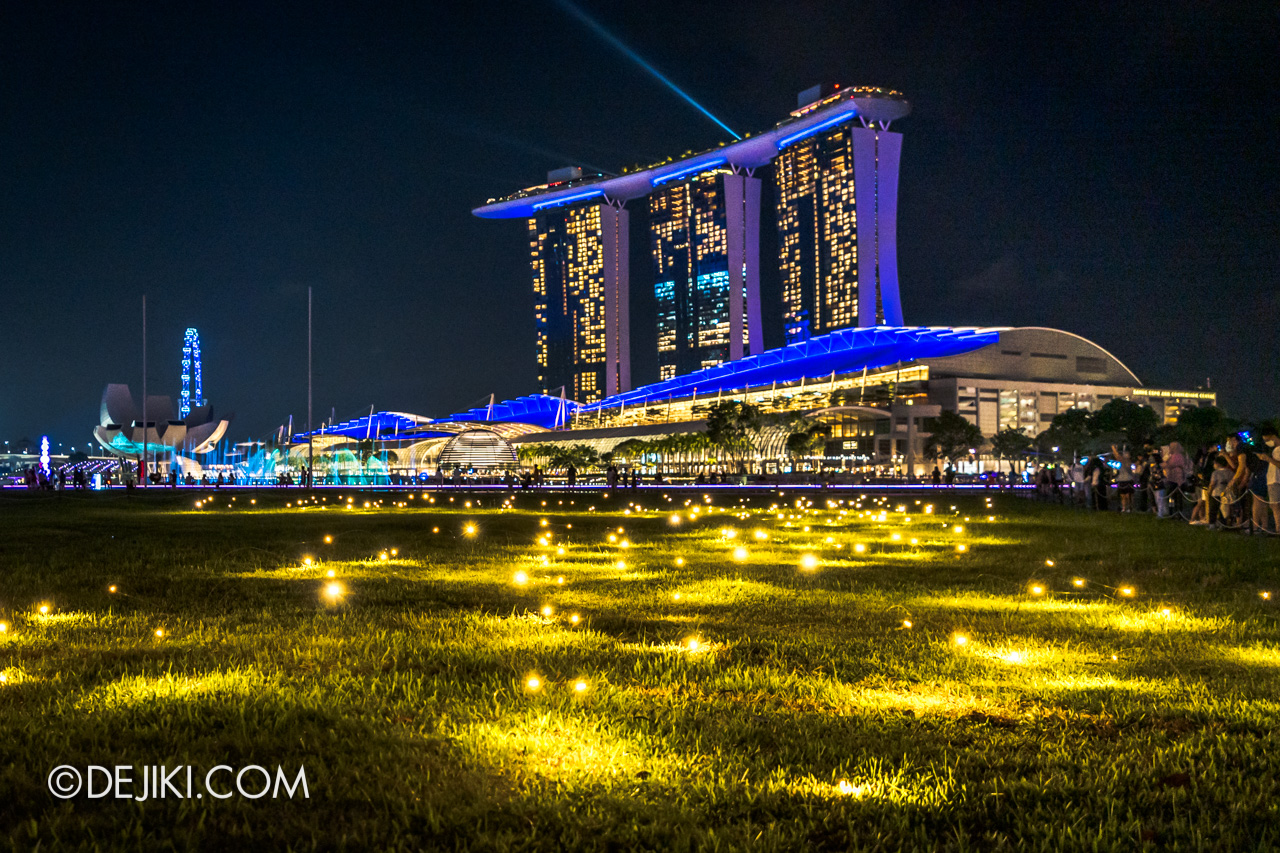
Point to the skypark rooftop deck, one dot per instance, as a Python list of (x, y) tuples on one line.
[(871, 106)]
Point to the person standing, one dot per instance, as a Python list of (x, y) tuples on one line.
[(1124, 479), (1272, 458)]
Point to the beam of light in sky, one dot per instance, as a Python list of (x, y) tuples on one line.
[(599, 30)]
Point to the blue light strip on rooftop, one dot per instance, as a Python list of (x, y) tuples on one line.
[(690, 170), (816, 128), (568, 199)]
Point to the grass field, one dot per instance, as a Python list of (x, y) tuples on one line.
[(886, 673)]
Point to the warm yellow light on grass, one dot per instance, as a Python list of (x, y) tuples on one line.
[(1014, 657), (159, 632), (962, 548), (521, 578), (44, 609), (547, 610), (1079, 583), (112, 589), (533, 684), (575, 618), (959, 639), (334, 591), (809, 561), (1036, 589), (580, 686), (860, 548), (674, 520), (306, 561), (331, 574), (740, 554), (469, 530), (1265, 595), (848, 790), (693, 644), (620, 565), (1127, 591), (958, 529), (906, 623), (4, 627)]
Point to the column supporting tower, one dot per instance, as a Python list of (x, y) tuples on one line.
[(742, 227), (615, 222), (876, 153)]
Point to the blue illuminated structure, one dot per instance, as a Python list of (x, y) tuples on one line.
[(190, 369), (869, 106), (537, 409), (843, 351)]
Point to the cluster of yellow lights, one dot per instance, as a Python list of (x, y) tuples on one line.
[(533, 683)]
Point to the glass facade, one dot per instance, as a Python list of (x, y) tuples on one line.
[(566, 256), (817, 235), (689, 251)]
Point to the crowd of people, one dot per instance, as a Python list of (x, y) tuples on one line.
[(1234, 485)]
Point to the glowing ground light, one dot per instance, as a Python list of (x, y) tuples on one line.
[(860, 548), (1048, 562), (44, 610), (1265, 595), (679, 561), (1037, 589), (306, 561), (4, 627), (849, 790), (896, 537), (333, 591), (1079, 583), (959, 528), (575, 618), (1126, 591), (1014, 657), (159, 632), (675, 596), (692, 644), (808, 561), (533, 684), (521, 578), (4, 676), (674, 520), (470, 530), (580, 686), (962, 548), (560, 580), (959, 639), (740, 554), (620, 565), (331, 574), (547, 611), (1167, 612), (111, 589)]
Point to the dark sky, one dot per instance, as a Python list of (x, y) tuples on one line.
[(1111, 172)]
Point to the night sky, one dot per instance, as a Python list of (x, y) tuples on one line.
[(1111, 172)]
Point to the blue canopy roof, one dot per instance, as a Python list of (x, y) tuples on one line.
[(843, 351)]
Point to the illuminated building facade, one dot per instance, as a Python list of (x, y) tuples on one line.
[(836, 167), (706, 276), (578, 258)]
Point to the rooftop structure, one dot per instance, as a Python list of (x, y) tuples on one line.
[(872, 107)]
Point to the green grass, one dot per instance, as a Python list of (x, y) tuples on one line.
[(1079, 718)]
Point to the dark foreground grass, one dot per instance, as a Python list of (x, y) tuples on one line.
[(727, 700)]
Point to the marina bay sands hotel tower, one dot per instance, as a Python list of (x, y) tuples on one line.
[(834, 165)]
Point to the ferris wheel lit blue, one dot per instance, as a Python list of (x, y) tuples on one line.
[(190, 369)]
